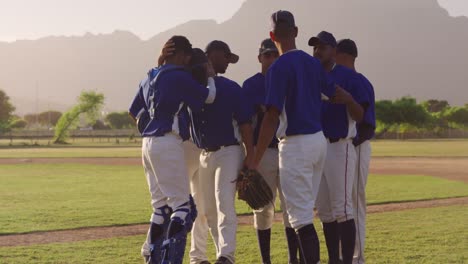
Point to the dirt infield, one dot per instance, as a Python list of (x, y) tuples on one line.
[(448, 168), (92, 233)]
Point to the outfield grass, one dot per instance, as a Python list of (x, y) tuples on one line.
[(430, 236), (87, 148), (420, 148), (38, 197)]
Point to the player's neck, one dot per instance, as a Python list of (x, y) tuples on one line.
[(348, 64), (286, 46)]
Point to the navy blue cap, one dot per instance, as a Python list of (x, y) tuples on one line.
[(323, 37), (282, 17), (347, 46), (267, 46), (221, 45)]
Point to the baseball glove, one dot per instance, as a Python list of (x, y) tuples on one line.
[(253, 189)]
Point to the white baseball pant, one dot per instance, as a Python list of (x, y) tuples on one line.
[(166, 175), (334, 200), (269, 168), (363, 153), (199, 232), (218, 172), (301, 161)]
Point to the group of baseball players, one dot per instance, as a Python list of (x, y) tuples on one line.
[(304, 122)]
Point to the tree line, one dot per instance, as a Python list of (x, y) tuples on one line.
[(401, 115)]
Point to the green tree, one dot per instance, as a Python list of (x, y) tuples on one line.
[(119, 120), (457, 115), (18, 124), (6, 111), (89, 103), (49, 118), (408, 111), (434, 106)]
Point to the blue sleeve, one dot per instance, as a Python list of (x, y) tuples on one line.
[(276, 86), (356, 88), (328, 85), (242, 114), (138, 104), (193, 93), (246, 94), (369, 115)]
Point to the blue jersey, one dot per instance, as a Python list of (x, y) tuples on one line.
[(294, 84), (254, 94), (366, 129), (172, 90), (217, 123), (336, 121)]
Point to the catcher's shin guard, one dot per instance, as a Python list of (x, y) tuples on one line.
[(182, 219), (173, 248), (156, 233)]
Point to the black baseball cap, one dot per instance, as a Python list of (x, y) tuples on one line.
[(282, 17), (181, 43), (347, 46), (220, 45), (323, 37), (267, 46), (198, 57)]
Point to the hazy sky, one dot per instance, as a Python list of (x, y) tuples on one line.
[(32, 19)]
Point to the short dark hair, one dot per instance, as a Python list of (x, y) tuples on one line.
[(283, 30), (181, 44)]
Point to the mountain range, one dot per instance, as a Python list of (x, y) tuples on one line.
[(405, 48)]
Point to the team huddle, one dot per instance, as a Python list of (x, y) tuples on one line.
[(303, 122)]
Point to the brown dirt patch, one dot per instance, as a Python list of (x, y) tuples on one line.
[(90, 161), (93, 233), (448, 168)]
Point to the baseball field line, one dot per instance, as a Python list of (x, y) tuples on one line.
[(92, 233)]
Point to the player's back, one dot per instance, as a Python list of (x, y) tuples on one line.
[(301, 79)]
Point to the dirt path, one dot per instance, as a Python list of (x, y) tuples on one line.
[(448, 168), (131, 230)]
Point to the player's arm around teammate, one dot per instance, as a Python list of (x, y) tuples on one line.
[(163, 94), (347, 52), (339, 117)]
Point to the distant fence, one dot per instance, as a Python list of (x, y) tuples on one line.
[(130, 133), (446, 133), (47, 134)]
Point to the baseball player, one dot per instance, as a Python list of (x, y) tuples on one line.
[(216, 131), (199, 237), (254, 89), (339, 117), (346, 54), (294, 84), (160, 98)]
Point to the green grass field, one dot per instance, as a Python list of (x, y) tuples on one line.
[(88, 148), (430, 236), (420, 148), (38, 197)]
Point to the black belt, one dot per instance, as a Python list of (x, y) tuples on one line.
[(333, 140), (213, 149)]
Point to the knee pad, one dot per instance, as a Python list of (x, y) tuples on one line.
[(173, 247), (158, 228), (186, 213)]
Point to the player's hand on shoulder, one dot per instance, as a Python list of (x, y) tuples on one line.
[(166, 51), (341, 96)]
